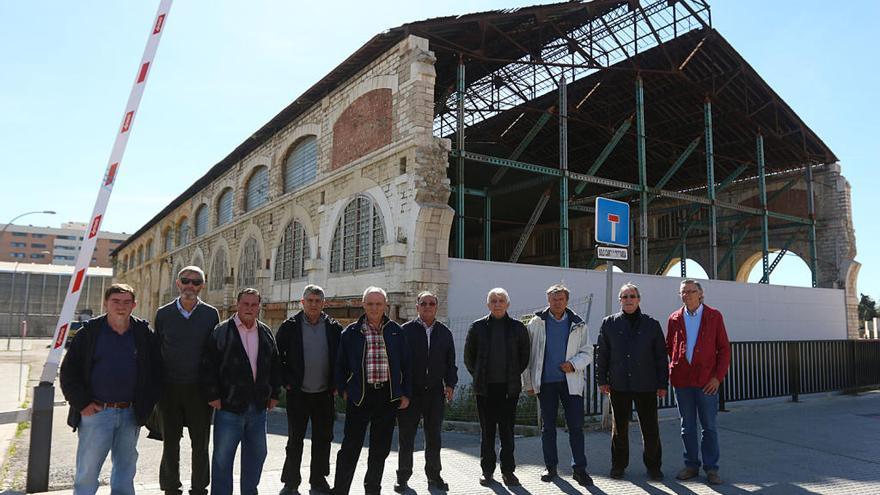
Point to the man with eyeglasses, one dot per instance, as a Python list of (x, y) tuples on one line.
[(183, 326), (434, 376), (631, 367), (699, 353)]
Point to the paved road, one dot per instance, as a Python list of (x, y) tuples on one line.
[(825, 444)]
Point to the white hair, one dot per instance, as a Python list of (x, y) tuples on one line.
[(498, 291), (374, 290)]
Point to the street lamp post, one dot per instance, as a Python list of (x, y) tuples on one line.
[(45, 212)]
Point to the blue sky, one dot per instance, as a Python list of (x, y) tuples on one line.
[(225, 68)]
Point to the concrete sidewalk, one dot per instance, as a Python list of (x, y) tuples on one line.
[(828, 444)]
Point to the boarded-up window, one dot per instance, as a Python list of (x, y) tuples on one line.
[(169, 239), (301, 165), (224, 207), (257, 189), (292, 253), (248, 264), (358, 238), (201, 220), (183, 232), (218, 271)]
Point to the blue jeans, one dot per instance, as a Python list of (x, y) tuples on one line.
[(549, 398), (230, 429), (693, 404), (114, 431)]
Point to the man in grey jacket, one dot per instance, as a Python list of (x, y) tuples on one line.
[(183, 327), (560, 352)]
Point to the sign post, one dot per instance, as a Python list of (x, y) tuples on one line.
[(44, 393), (612, 238)]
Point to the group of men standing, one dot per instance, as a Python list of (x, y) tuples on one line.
[(195, 366)]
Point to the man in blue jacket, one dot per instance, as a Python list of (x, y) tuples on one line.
[(373, 376), (111, 377), (434, 376)]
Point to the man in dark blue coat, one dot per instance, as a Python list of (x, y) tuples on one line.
[(434, 376), (631, 366), (373, 375), (111, 377)]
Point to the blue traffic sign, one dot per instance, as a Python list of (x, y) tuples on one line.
[(612, 222)]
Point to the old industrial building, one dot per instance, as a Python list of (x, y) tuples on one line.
[(487, 136)]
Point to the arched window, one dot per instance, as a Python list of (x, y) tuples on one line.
[(201, 220), (292, 253), (218, 271), (125, 263), (224, 207), (140, 256), (358, 237), (169, 239), (148, 254), (248, 264), (257, 189), (301, 164)]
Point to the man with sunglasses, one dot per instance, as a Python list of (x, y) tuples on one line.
[(434, 375), (631, 366), (183, 326)]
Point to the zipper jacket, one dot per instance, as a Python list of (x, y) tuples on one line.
[(578, 351), (350, 372)]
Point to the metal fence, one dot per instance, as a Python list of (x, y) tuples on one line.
[(758, 370)]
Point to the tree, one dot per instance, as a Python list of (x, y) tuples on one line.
[(867, 308)]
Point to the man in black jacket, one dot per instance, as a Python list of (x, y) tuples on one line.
[(183, 327), (631, 366), (111, 376), (496, 352), (434, 376), (241, 376), (307, 346)]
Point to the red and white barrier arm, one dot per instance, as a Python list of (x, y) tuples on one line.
[(91, 234)]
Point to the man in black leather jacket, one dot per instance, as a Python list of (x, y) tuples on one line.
[(496, 352), (631, 366)]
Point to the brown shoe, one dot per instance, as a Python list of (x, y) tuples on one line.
[(713, 478), (687, 473)]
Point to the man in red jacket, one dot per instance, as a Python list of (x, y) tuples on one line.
[(699, 356)]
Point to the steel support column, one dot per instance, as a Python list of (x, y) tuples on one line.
[(765, 219), (563, 167), (811, 210), (459, 172), (710, 187), (487, 227), (643, 176)]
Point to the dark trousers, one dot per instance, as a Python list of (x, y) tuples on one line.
[(428, 404), (646, 407), (378, 412), (301, 408), (496, 409), (549, 398), (183, 405)]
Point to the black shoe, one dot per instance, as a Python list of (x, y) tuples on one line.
[(655, 474), (320, 485), (289, 489), (486, 479), (548, 475), (510, 479), (616, 473), (400, 486), (438, 483), (582, 478)]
